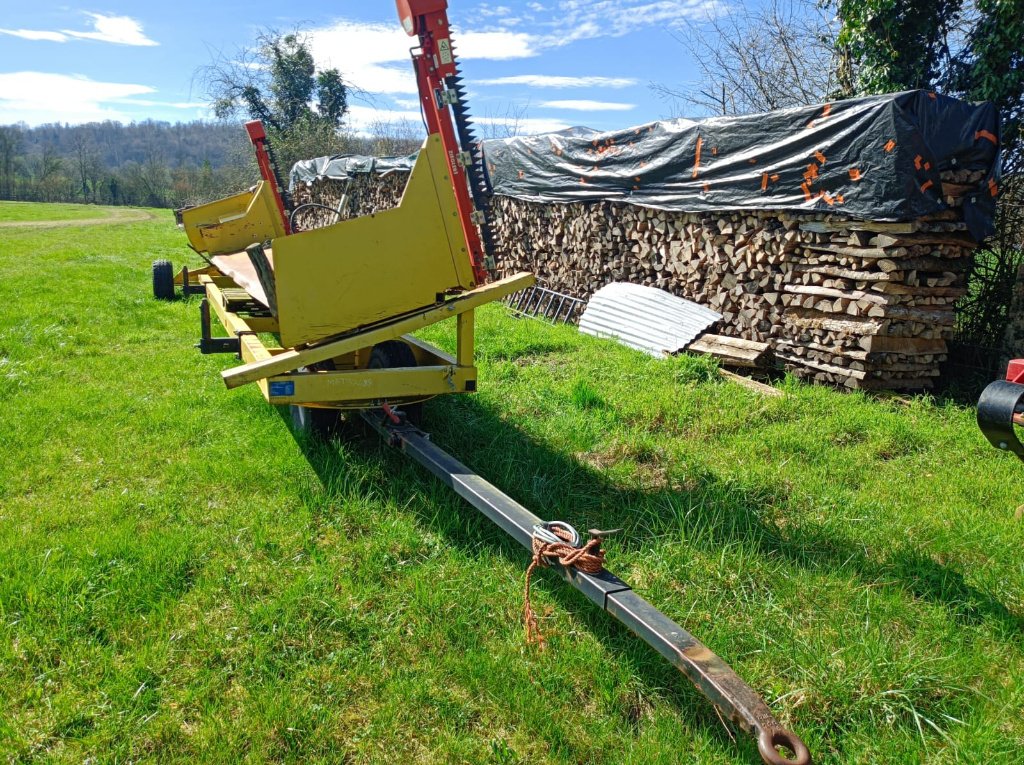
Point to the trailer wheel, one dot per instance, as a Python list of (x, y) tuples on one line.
[(312, 420), (391, 354), (163, 280)]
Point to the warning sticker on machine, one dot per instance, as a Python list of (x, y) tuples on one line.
[(444, 50)]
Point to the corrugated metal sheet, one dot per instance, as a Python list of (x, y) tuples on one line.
[(645, 318)]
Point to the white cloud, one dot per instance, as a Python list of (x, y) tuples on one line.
[(361, 119), (121, 30), (525, 125), (163, 104), (35, 34), (375, 57), (38, 97), (496, 46), (407, 103), (366, 55), (586, 19), (556, 81), (584, 105)]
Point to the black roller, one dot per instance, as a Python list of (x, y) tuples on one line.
[(999, 402)]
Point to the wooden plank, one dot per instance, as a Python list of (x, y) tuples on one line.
[(754, 385)]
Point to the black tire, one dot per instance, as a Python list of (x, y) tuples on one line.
[(389, 355), (163, 280), (314, 421)]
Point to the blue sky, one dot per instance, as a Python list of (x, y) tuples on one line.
[(551, 63)]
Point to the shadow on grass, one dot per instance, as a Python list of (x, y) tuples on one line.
[(710, 511)]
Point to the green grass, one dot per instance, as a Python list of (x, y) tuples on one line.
[(181, 580), (33, 211)]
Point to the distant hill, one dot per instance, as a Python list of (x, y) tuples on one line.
[(184, 144)]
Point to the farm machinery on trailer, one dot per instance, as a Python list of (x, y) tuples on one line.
[(343, 301)]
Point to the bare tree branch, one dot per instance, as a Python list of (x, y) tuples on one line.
[(755, 59)]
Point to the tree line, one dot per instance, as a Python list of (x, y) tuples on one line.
[(152, 164)]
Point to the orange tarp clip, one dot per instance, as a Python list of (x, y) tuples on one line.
[(987, 136), (855, 174), (927, 185), (890, 146), (993, 187), (707, 187), (826, 110), (811, 173), (820, 157), (917, 161), (696, 161), (764, 181), (807, 191), (714, 151)]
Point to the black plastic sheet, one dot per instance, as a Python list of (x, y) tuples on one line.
[(876, 158)]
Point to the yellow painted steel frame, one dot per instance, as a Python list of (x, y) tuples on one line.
[(194, 274), (284, 375), (365, 270), (231, 224)]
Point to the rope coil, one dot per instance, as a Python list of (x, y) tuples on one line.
[(558, 541)]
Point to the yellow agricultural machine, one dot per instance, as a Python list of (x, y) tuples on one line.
[(343, 301)]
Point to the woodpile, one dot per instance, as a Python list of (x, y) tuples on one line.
[(845, 302), (363, 194)]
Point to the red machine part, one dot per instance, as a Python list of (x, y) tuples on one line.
[(258, 136), (434, 62), (1015, 371)]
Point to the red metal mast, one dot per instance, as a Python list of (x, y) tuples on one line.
[(268, 168), (437, 76)]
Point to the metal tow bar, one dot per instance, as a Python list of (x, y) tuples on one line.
[(733, 698)]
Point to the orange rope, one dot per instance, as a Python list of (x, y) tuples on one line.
[(589, 559)]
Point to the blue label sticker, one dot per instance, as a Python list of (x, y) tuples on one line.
[(284, 388)]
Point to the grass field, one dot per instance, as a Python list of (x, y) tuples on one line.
[(31, 211), (181, 580)]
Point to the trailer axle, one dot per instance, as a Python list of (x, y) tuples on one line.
[(732, 697)]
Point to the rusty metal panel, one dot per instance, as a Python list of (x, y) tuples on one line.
[(648, 319)]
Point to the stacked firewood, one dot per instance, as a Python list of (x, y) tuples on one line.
[(363, 194), (847, 302)]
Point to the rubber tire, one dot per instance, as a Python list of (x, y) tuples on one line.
[(163, 280), (389, 355), (314, 421)]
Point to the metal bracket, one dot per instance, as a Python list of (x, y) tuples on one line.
[(207, 342), (187, 287)]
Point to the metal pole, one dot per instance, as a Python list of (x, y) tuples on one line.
[(733, 698)]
